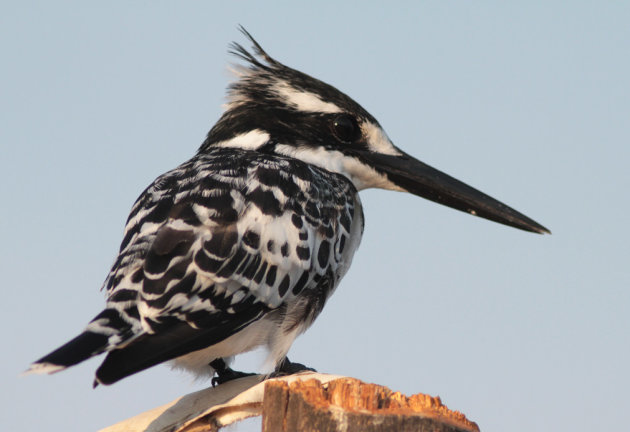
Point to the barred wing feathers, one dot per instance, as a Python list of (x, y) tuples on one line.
[(210, 248)]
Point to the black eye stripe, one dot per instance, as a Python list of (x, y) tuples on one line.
[(345, 128)]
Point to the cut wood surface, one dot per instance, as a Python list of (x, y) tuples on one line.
[(350, 405), (307, 401)]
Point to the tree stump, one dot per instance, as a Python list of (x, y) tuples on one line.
[(308, 402), (350, 405)]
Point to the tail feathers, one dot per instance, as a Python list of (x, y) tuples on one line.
[(82, 347), (180, 339)]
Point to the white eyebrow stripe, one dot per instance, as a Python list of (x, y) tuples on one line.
[(249, 141), (303, 100), (377, 139)]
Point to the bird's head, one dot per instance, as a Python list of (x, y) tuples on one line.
[(278, 110)]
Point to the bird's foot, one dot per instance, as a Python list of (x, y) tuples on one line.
[(286, 367), (225, 373)]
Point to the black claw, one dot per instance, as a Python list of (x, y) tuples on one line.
[(286, 367), (228, 375), (225, 373)]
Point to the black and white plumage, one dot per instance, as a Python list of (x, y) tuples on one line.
[(241, 246)]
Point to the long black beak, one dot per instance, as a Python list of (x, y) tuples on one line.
[(420, 179)]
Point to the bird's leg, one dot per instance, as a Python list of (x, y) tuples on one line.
[(286, 367), (225, 373)]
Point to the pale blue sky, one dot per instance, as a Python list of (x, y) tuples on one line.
[(529, 103)]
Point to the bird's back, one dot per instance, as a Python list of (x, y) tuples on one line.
[(228, 238)]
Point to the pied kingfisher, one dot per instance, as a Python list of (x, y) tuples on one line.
[(241, 246)]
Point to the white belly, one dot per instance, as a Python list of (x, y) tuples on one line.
[(266, 332)]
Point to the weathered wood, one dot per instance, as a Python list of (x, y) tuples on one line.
[(209, 409), (351, 405), (302, 402)]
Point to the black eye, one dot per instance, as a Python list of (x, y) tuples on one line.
[(345, 128)]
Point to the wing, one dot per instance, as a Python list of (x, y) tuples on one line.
[(211, 247)]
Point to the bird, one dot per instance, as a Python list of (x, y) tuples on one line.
[(241, 246)]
